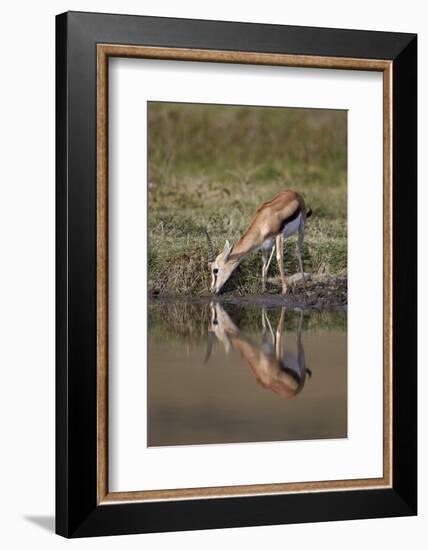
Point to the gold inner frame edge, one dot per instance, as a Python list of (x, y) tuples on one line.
[(104, 51)]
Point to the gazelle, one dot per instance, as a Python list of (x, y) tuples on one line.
[(274, 368), (273, 222)]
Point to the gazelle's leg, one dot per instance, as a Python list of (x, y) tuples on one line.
[(268, 347), (300, 350), (299, 243), (266, 264), (280, 258), (270, 257), (279, 351), (266, 320), (265, 336), (264, 268), (263, 320)]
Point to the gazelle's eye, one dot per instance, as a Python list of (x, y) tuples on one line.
[(215, 271)]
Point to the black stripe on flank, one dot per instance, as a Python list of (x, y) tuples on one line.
[(290, 218)]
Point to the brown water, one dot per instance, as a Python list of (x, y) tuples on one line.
[(271, 375)]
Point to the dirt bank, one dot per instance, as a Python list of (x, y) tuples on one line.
[(324, 292)]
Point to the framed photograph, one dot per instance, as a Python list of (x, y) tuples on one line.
[(236, 274)]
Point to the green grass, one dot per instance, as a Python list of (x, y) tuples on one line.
[(178, 322), (211, 166)]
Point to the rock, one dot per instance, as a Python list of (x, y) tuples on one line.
[(297, 277)]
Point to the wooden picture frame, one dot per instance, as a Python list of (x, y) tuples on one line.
[(84, 44)]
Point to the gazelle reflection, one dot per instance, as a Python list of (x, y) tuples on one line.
[(274, 368)]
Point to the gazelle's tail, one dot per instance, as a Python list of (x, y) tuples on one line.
[(309, 213)]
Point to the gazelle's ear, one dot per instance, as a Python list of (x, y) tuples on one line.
[(227, 250)]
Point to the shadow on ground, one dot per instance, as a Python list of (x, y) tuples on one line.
[(45, 522)]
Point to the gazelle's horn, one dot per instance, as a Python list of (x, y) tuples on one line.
[(210, 344), (210, 248)]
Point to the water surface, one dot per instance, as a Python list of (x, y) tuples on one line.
[(233, 374)]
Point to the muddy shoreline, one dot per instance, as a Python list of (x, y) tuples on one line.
[(321, 293)]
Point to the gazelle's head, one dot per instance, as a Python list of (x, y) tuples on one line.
[(222, 327), (222, 266)]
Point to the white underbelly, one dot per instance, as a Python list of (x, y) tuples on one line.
[(268, 243), (290, 362), (291, 227)]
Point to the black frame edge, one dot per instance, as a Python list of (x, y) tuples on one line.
[(76, 277), (77, 514), (238, 36), (191, 515), (405, 274), (61, 446)]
